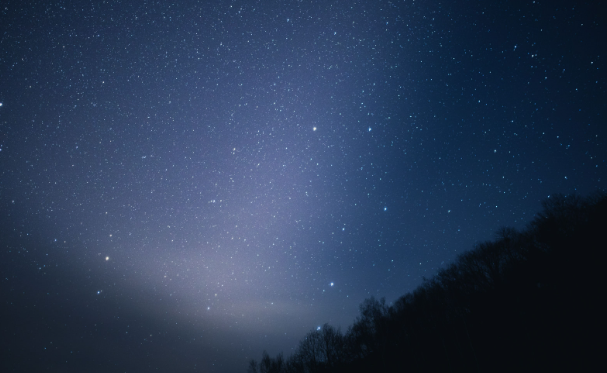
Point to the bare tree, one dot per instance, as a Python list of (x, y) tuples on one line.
[(252, 366)]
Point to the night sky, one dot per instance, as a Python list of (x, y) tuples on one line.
[(183, 185)]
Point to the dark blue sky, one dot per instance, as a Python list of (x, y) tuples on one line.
[(185, 185)]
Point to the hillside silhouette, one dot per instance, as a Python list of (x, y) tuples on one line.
[(526, 301)]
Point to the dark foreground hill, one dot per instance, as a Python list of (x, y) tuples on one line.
[(527, 301)]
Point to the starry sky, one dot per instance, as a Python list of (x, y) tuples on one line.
[(183, 185)]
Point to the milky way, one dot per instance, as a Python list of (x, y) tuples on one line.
[(185, 185)]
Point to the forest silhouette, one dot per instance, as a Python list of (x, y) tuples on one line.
[(526, 301)]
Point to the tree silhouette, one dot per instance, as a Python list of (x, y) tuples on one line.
[(526, 301), (253, 366)]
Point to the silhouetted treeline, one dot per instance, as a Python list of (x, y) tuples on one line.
[(527, 301)]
